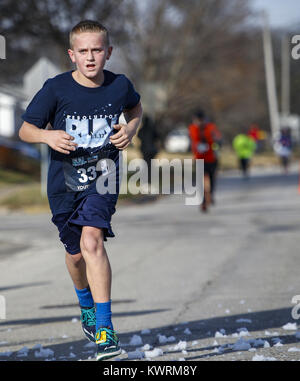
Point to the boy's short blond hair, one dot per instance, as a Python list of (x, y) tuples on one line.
[(88, 26)]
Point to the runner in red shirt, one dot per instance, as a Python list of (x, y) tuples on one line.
[(205, 143)]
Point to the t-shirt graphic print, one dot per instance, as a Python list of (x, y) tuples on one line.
[(91, 131)]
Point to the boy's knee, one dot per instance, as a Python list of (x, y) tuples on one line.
[(75, 259), (92, 240)]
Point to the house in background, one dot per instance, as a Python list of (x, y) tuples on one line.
[(11, 108), (14, 100)]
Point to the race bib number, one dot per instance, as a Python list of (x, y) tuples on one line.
[(202, 147), (81, 172)]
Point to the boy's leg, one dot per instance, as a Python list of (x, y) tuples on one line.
[(99, 277), (77, 269), (98, 268), (98, 273)]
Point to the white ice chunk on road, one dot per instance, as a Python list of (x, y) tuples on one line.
[(164, 339), (187, 331), (215, 343), (23, 352), (243, 332), (195, 342), (243, 320), (263, 358), (146, 347), (44, 353), (180, 346), (290, 326), (154, 353), (221, 333), (278, 344), (266, 344), (294, 349), (136, 340), (241, 345), (135, 355), (145, 331), (74, 320)]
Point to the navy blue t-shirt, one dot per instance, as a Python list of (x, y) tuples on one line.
[(88, 114)]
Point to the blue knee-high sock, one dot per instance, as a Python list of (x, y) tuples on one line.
[(85, 297), (103, 315)]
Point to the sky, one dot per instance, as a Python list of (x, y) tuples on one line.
[(281, 12)]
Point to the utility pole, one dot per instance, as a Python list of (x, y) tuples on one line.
[(270, 78)]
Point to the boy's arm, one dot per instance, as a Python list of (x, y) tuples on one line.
[(58, 140), (133, 117)]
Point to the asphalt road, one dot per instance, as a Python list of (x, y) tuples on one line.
[(211, 287)]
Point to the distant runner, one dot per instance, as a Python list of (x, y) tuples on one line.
[(283, 147), (205, 143), (244, 147)]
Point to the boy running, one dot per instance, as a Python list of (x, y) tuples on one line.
[(83, 107)]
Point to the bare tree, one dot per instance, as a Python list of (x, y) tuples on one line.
[(203, 54), (33, 28)]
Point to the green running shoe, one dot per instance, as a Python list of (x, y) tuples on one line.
[(107, 344), (88, 322)]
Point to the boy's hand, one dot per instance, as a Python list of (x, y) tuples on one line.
[(123, 138), (60, 141)]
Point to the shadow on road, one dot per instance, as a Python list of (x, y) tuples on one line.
[(58, 319), (200, 330), (72, 305), (23, 285)]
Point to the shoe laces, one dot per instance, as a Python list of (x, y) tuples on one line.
[(106, 336), (88, 316)]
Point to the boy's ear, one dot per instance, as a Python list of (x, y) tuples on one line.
[(71, 55), (109, 51)]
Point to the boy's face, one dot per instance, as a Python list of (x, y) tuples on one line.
[(89, 53)]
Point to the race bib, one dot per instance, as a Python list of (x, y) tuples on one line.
[(80, 172), (202, 147)]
